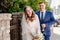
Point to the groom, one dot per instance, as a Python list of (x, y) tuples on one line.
[(46, 20)]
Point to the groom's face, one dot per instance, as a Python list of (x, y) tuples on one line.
[(42, 6)]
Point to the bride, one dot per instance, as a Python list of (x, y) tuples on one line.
[(30, 24)]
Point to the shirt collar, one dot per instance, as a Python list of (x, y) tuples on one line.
[(43, 11)]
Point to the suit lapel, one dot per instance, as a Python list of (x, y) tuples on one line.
[(45, 15)]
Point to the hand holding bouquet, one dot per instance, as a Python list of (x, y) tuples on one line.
[(39, 36)]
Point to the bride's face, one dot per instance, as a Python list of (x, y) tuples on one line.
[(28, 11)]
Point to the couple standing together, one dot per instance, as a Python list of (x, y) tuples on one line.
[(36, 23)]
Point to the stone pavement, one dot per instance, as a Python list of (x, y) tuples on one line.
[(55, 35)]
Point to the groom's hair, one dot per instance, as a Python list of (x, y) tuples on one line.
[(41, 2)]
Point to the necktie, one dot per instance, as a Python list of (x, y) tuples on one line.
[(41, 15), (42, 20)]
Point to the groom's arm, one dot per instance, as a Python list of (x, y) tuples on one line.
[(52, 19)]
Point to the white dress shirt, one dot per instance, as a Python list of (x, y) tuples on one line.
[(43, 14)]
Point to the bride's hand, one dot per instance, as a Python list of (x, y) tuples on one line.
[(31, 34), (33, 37)]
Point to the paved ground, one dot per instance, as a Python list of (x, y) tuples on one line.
[(56, 33)]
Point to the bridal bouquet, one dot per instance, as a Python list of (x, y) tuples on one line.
[(39, 36)]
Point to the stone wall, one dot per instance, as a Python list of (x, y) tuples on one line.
[(10, 26), (16, 30), (5, 26)]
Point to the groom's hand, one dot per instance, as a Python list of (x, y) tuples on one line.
[(43, 25)]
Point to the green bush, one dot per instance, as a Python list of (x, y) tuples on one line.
[(18, 5)]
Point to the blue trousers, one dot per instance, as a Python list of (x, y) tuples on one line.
[(47, 37)]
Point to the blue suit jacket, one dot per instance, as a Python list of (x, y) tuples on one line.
[(48, 20)]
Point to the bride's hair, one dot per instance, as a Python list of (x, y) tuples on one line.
[(28, 18)]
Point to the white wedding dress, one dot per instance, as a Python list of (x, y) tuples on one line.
[(30, 27)]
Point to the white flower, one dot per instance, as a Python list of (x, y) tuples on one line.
[(39, 36)]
